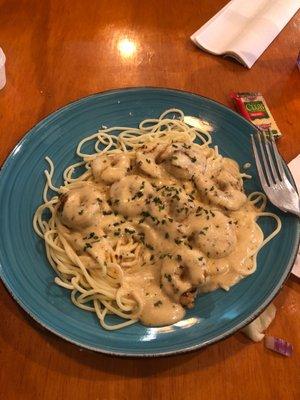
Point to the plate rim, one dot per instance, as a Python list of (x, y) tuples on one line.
[(9, 159)]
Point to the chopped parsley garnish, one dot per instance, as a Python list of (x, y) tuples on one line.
[(87, 246), (158, 203), (157, 200), (140, 192), (138, 195), (91, 236), (130, 231), (107, 212)]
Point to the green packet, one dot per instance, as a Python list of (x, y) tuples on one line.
[(253, 107)]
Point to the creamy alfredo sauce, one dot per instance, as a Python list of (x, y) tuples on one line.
[(181, 216)]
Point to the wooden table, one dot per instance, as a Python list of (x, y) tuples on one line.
[(58, 51)]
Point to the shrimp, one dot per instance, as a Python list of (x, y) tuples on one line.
[(173, 281), (110, 168), (229, 175), (180, 278), (79, 207), (223, 186), (182, 160), (146, 159), (180, 203), (128, 196), (218, 238)]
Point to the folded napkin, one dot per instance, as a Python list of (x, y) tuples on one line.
[(294, 166), (244, 29)]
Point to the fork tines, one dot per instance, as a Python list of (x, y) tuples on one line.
[(268, 161)]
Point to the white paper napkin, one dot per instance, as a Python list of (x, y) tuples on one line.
[(294, 166), (243, 29)]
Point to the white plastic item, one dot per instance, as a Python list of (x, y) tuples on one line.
[(2, 69), (255, 330)]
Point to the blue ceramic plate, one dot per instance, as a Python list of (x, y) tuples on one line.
[(25, 270)]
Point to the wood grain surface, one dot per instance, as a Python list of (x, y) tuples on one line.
[(60, 50)]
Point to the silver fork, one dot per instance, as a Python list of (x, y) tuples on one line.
[(272, 175)]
